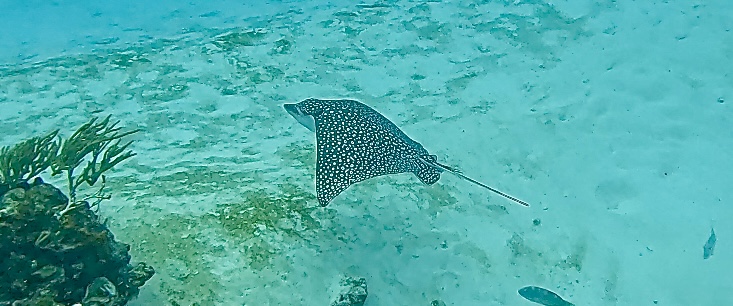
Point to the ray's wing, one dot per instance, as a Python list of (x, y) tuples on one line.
[(427, 173), (350, 150)]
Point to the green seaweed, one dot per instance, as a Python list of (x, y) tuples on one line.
[(302, 152), (438, 32), (575, 259), (197, 180), (264, 74), (440, 197), (417, 77), (233, 40), (126, 59), (262, 214), (282, 46), (521, 250), (27, 159), (471, 250), (460, 83), (166, 92), (182, 239), (97, 142), (261, 211)]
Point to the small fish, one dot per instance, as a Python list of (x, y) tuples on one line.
[(709, 247), (543, 296)]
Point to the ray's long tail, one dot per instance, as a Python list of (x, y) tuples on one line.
[(461, 175)]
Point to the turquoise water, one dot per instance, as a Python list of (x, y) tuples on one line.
[(612, 119)]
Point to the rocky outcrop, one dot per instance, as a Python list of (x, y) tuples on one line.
[(351, 292), (52, 259)]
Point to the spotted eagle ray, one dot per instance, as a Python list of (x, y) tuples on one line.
[(355, 142)]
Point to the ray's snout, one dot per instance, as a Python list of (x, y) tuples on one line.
[(292, 109), (306, 120)]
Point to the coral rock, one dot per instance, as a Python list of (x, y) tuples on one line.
[(61, 260), (353, 292)]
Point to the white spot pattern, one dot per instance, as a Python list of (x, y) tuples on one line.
[(354, 143)]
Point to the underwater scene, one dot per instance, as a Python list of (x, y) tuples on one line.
[(345, 153)]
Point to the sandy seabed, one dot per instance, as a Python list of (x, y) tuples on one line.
[(613, 119)]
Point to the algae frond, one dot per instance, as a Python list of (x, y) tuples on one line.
[(263, 219)]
